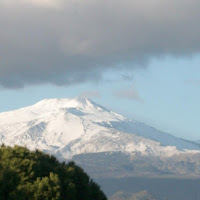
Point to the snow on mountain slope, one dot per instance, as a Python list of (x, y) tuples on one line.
[(129, 126), (67, 127)]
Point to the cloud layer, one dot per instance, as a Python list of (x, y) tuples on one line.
[(72, 41)]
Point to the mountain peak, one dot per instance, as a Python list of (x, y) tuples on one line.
[(63, 122), (47, 107), (59, 103), (69, 127)]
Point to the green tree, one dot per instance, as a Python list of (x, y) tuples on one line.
[(47, 188), (33, 175), (9, 181)]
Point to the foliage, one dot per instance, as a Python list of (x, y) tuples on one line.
[(26, 175)]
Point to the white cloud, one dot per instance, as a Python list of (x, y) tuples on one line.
[(128, 93), (90, 94), (34, 3)]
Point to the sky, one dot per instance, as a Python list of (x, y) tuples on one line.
[(138, 58)]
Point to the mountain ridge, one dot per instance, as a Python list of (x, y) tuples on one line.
[(75, 106), (69, 128)]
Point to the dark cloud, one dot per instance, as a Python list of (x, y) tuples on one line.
[(72, 41)]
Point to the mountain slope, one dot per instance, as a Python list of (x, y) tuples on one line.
[(55, 123), (70, 127)]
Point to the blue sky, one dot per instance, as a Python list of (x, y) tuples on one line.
[(167, 94)]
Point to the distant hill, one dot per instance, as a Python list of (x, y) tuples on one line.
[(197, 141), (159, 188), (142, 195)]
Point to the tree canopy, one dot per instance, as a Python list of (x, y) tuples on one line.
[(33, 175)]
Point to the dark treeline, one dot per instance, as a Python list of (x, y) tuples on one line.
[(26, 175)]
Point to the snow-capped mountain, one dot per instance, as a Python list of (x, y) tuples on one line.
[(73, 127)]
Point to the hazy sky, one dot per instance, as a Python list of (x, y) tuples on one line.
[(138, 58)]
